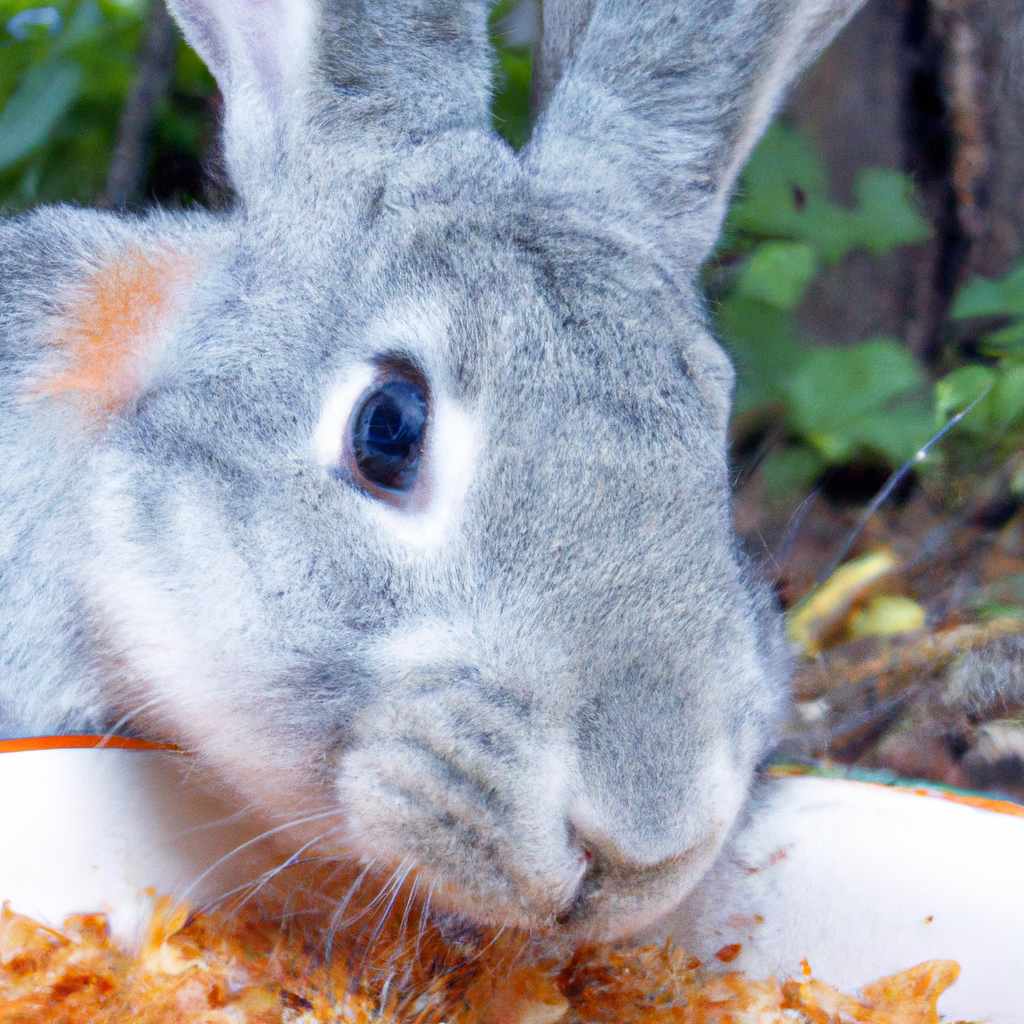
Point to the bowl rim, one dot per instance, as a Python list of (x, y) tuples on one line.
[(82, 741), (914, 787), (85, 741)]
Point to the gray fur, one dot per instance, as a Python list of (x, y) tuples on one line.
[(564, 23), (581, 662)]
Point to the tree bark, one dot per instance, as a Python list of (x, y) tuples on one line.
[(129, 163), (934, 88)]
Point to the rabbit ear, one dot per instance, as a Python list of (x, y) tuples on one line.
[(563, 24), (109, 329), (259, 52), (661, 102), (249, 44), (372, 74)]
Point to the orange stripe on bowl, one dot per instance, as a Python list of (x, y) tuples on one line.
[(81, 743), (983, 803)]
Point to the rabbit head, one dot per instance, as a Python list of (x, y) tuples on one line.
[(407, 492)]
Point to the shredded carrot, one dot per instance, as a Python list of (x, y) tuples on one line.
[(247, 967)]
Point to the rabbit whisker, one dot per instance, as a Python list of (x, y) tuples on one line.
[(292, 860), (113, 731), (424, 919), (260, 879), (395, 884), (338, 916), (252, 842)]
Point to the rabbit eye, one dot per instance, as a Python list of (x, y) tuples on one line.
[(387, 434)]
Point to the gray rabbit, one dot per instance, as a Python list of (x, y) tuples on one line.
[(398, 493)]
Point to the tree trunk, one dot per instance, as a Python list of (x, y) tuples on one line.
[(934, 88)]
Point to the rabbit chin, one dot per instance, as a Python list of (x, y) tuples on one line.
[(608, 904)]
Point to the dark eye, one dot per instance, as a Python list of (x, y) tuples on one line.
[(387, 434)]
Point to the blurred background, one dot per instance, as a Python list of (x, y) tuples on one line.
[(869, 286)]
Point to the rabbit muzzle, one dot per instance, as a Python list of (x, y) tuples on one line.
[(481, 785)]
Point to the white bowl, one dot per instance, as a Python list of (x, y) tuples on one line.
[(861, 881), (104, 829), (858, 880)]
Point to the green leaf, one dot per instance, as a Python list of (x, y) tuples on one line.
[(1007, 398), (833, 385), (783, 194), (785, 158), (510, 106), (958, 389), (510, 103), (761, 341), (1008, 341), (984, 297), (1003, 405), (886, 215), (83, 28), (897, 431), (793, 468), (46, 92), (778, 273), (842, 399)]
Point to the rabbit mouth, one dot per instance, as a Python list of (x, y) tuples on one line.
[(616, 898), (611, 900)]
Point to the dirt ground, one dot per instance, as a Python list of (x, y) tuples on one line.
[(910, 661)]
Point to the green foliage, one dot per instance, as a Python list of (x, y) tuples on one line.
[(66, 67), (782, 230), (40, 101), (1003, 299), (777, 274), (865, 396), (784, 194), (867, 400), (65, 70), (510, 106), (999, 417)]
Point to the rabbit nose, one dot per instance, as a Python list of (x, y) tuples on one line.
[(581, 902), (594, 861), (618, 889)]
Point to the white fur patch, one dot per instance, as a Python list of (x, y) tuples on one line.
[(448, 461), (192, 646)]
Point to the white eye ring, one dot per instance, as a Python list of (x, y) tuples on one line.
[(329, 435), (449, 462)]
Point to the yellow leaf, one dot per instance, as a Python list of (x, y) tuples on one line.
[(887, 615), (826, 605)]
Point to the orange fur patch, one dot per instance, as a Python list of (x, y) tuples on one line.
[(111, 332)]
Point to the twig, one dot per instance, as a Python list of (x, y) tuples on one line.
[(893, 482), (128, 164)]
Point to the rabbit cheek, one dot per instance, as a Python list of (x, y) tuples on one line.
[(473, 794), (111, 332)]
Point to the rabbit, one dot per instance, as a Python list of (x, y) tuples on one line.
[(398, 492)]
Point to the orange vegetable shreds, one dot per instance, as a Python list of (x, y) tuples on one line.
[(906, 998), (248, 967)]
